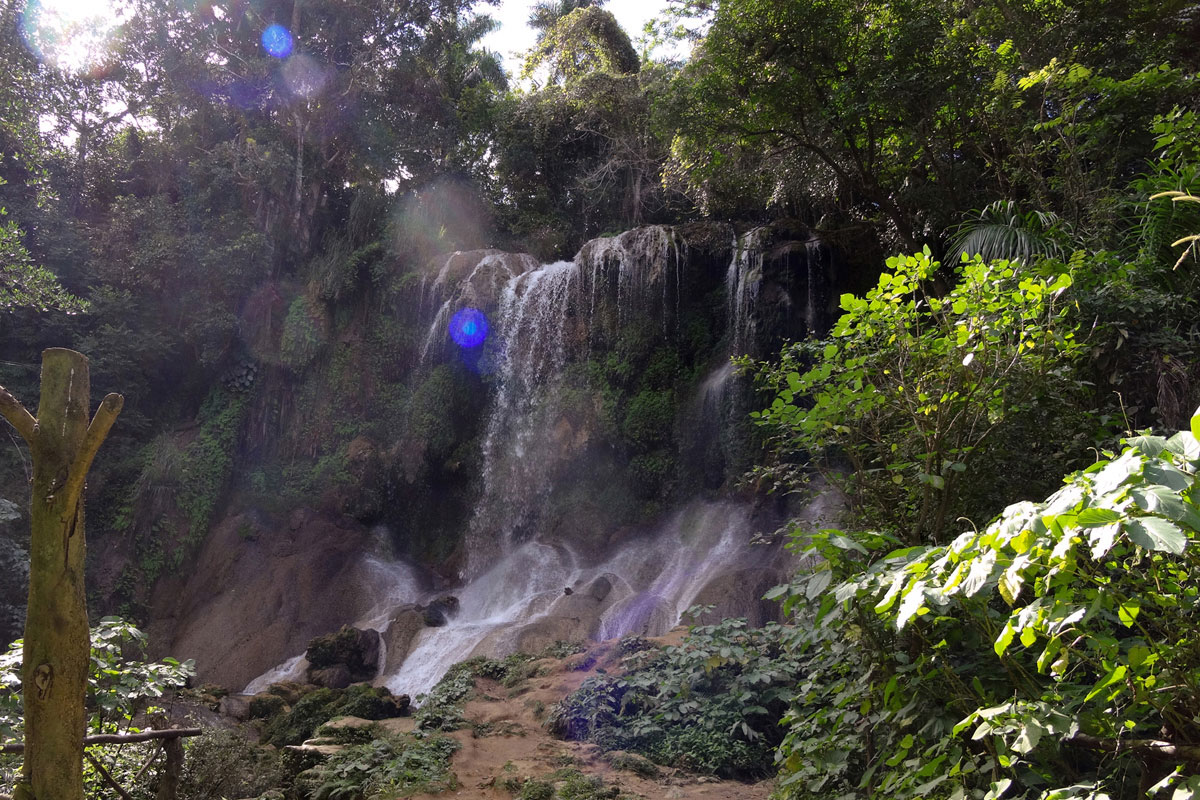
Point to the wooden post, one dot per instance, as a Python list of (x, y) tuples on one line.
[(55, 668)]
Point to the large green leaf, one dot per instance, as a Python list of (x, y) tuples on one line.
[(1154, 533)]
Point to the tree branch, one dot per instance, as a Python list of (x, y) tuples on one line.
[(1154, 747), (107, 778), (118, 738), (17, 416), (97, 431)]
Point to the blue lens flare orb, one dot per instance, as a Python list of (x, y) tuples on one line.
[(468, 327), (277, 41)]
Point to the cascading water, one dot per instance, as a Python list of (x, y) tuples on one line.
[(518, 451), (525, 585), (648, 584), (742, 282)]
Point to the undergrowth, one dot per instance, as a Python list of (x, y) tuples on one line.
[(441, 708), (392, 766), (711, 704)]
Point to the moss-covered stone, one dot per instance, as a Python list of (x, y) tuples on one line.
[(318, 707), (357, 650), (264, 706)]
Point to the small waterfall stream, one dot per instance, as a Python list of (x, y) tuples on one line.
[(651, 582)]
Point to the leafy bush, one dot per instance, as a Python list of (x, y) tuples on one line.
[(713, 703), (911, 388), (223, 764), (1037, 657), (392, 766), (441, 709), (121, 685), (303, 333)]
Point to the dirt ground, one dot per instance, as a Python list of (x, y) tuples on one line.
[(507, 740)]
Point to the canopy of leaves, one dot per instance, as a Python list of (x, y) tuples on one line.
[(585, 41)]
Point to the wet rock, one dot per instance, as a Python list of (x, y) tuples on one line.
[(244, 605), (406, 622), (740, 594), (643, 614), (438, 612), (236, 706), (537, 636), (600, 587)]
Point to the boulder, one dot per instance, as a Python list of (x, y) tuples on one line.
[(402, 630), (335, 677), (438, 612), (355, 649), (600, 587), (236, 706)]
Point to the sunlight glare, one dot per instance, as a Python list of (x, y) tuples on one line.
[(74, 36)]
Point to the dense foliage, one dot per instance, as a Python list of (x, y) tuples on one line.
[(711, 703), (1040, 654), (914, 388), (123, 689)]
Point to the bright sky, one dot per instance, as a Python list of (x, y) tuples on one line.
[(515, 37)]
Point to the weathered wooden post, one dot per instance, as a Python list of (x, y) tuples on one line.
[(55, 668)]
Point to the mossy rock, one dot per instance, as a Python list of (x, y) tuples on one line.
[(265, 706), (322, 705), (357, 650)]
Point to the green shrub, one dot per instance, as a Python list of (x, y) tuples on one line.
[(1060, 630), (649, 419), (534, 789), (441, 709), (266, 706), (393, 766), (711, 704), (223, 764), (303, 333), (897, 407)]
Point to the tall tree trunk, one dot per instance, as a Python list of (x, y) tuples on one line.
[(55, 668)]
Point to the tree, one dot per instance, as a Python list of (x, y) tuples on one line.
[(55, 669), (24, 284), (545, 14), (902, 115), (586, 41), (912, 389)]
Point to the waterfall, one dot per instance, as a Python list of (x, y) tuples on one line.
[(742, 282), (524, 585), (546, 317), (653, 581), (465, 279), (518, 450)]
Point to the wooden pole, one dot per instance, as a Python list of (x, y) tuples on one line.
[(55, 668)]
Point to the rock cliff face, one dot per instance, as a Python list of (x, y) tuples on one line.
[(261, 587), (568, 476)]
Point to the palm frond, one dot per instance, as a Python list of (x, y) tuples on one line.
[(1001, 231)]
